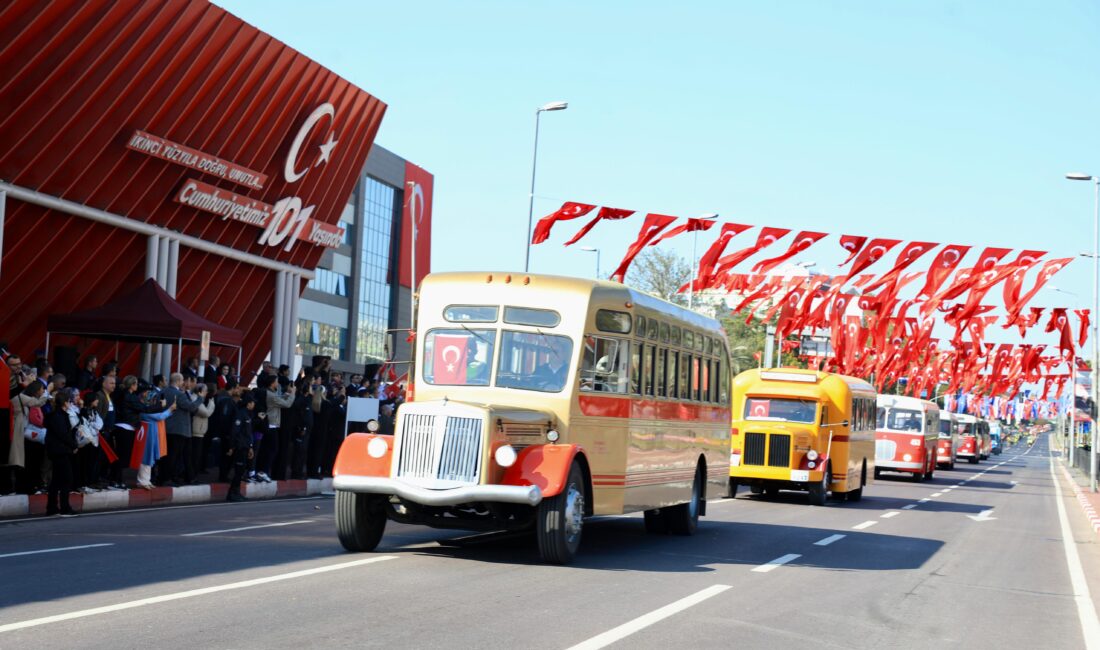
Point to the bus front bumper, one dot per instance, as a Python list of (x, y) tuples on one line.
[(898, 464), (529, 495), (776, 473)]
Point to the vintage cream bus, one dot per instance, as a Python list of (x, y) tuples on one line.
[(541, 400), (802, 430)]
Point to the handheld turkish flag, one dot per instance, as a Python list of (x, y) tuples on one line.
[(449, 359), (568, 210), (394, 389), (853, 244), (692, 225), (871, 253), (107, 450), (802, 241), (604, 214), (141, 438), (653, 225)]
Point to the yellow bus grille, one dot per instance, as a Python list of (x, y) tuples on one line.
[(779, 450), (424, 455), (753, 453)]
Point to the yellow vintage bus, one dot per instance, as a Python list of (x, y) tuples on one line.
[(538, 401), (802, 430)]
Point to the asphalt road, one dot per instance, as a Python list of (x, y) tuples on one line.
[(914, 565)]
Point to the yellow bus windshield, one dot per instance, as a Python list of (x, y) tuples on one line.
[(781, 409)]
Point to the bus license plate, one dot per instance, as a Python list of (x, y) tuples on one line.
[(735, 460), (800, 475)]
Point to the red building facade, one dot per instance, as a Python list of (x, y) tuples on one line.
[(167, 140)]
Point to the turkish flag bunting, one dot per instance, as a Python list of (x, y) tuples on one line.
[(802, 241), (911, 253), (568, 210), (1083, 332), (853, 244), (449, 359), (705, 274), (944, 263), (692, 225), (1060, 321), (767, 237), (871, 253), (651, 227), (603, 214), (1045, 274)]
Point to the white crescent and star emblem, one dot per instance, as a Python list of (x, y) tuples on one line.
[(876, 252), (950, 256), (290, 172), (450, 363)]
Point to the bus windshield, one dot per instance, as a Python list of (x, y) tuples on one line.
[(527, 360), (945, 428), (781, 409), (901, 420)]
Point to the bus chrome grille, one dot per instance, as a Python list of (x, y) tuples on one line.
[(448, 453), (779, 450), (885, 449), (753, 453)]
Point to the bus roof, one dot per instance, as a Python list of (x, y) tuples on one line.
[(965, 418), (602, 290), (906, 402), (808, 383)]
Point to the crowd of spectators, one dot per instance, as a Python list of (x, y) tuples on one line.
[(86, 434)]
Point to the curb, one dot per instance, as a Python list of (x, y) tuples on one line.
[(21, 505), (1082, 498)]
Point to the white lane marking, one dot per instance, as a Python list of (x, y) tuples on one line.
[(829, 540), (937, 494), (909, 507), (1086, 611), (924, 500), (984, 515), (1012, 482), (960, 484), (777, 562), (866, 524), (887, 515), (55, 550), (645, 620), (83, 613), (147, 510), (234, 530)]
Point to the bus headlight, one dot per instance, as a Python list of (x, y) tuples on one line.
[(811, 455), (377, 447), (505, 455), (907, 458), (552, 435), (372, 425)]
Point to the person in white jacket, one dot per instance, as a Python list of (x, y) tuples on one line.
[(200, 425)]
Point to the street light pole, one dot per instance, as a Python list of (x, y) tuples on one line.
[(552, 106), (1095, 314), (593, 249), (694, 244)]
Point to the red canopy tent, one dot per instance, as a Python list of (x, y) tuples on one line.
[(145, 315)]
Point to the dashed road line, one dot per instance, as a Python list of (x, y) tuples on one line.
[(829, 540), (645, 620), (864, 525), (54, 550), (892, 513), (909, 507), (937, 494), (235, 530), (777, 562)]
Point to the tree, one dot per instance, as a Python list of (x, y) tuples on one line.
[(660, 273)]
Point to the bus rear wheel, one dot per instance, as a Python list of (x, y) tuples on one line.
[(683, 519), (655, 522), (857, 494), (560, 520), (360, 520)]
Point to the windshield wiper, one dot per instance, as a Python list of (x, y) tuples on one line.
[(475, 334)]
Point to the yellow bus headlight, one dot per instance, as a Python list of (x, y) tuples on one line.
[(811, 455)]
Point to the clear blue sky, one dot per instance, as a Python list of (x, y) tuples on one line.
[(920, 120)]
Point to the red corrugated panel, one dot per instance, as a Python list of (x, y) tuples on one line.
[(78, 78)]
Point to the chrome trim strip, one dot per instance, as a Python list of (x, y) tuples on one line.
[(523, 494)]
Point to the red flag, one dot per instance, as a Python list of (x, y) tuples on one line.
[(137, 452), (705, 273), (1045, 274), (603, 214), (653, 225), (692, 225), (942, 266), (853, 244), (449, 359), (911, 253), (393, 389), (568, 210), (1083, 332), (873, 252), (1060, 321), (767, 237), (802, 241), (107, 450)]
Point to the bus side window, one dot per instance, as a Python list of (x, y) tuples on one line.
[(636, 369), (824, 414), (604, 366), (696, 380), (659, 372), (685, 369), (724, 380), (670, 375), (649, 363)]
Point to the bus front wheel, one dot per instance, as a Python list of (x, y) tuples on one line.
[(360, 520), (819, 492), (560, 520), (731, 493)]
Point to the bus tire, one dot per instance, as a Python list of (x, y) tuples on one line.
[(917, 477), (930, 473), (878, 473), (973, 460), (655, 522), (560, 520), (857, 494), (731, 492), (360, 520), (819, 492), (683, 519), (756, 488)]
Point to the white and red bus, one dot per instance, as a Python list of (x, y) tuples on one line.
[(906, 435), (948, 446), (970, 438)]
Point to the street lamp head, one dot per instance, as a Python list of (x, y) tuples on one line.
[(708, 216), (590, 249), (1078, 176), (554, 106)]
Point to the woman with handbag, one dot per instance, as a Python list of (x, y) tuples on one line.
[(23, 405), (87, 438), (61, 448)]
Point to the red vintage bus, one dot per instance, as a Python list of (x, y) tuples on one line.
[(948, 446), (906, 435)]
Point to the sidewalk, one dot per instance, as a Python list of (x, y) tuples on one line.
[(23, 505), (1090, 501)]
